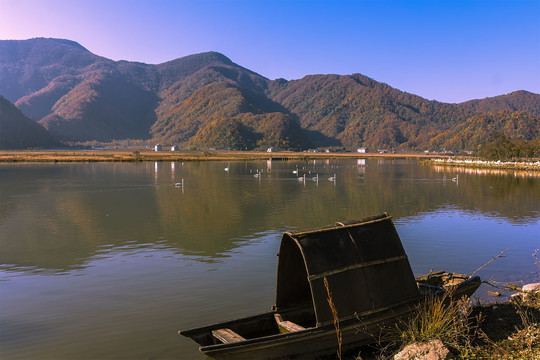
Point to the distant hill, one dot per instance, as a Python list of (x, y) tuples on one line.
[(17, 131), (354, 110), (214, 113), (469, 135), (206, 100), (516, 101), (104, 106)]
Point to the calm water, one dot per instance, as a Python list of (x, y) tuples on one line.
[(108, 261)]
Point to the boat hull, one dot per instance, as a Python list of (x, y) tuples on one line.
[(314, 341), (267, 343)]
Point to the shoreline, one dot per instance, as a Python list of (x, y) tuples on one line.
[(121, 155), (531, 165), (148, 155)]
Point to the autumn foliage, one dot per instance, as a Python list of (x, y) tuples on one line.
[(207, 101)]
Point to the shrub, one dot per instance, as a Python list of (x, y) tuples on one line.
[(500, 147), (438, 318)]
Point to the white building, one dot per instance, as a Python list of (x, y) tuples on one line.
[(362, 150), (174, 148), (158, 147)]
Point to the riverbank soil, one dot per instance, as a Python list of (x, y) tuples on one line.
[(507, 330)]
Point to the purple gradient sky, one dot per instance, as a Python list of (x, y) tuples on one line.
[(445, 50)]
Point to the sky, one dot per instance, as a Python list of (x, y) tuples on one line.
[(445, 50)]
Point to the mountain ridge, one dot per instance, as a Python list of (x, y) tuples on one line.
[(80, 96)]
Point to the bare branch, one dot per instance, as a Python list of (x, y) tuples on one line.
[(489, 262)]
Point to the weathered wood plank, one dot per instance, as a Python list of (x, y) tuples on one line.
[(227, 336), (287, 326)]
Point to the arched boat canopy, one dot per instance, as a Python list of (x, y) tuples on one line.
[(363, 261)]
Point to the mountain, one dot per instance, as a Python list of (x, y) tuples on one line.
[(471, 134), (221, 90), (28, 66), (354, 110), (207, 100), (516, 101), (104, 106), (215, 113), (17, 131)]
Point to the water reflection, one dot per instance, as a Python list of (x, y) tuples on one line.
[(78, 210), (488, 171)]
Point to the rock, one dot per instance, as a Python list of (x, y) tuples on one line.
[(433, 350), (534, 287), (529, 293)]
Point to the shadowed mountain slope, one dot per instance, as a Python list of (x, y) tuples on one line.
[(20, 132), (103, 107)]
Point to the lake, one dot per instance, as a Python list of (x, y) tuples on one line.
[(110, 260)]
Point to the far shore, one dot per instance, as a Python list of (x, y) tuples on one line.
[(139, 155), (131, 155), (528, 165)]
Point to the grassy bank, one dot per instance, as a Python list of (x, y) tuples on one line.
[(121, 155), (506, 330)]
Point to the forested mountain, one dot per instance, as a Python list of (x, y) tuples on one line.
[(355, 110), (471, 134), (206, 100), (19, 132), (516, 101), (103, 106)]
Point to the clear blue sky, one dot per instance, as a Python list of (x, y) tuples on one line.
[(448, 50)]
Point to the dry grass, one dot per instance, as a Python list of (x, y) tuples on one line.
[(339, 335), (509, 331), (512, 330), (496, 331), (438, 318), (149, 155)]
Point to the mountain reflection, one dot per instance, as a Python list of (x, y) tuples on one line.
[(60, 216)]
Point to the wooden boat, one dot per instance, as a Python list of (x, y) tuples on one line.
[(368, 274), (451, 285)]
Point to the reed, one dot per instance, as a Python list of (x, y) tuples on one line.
[(335, 316)]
